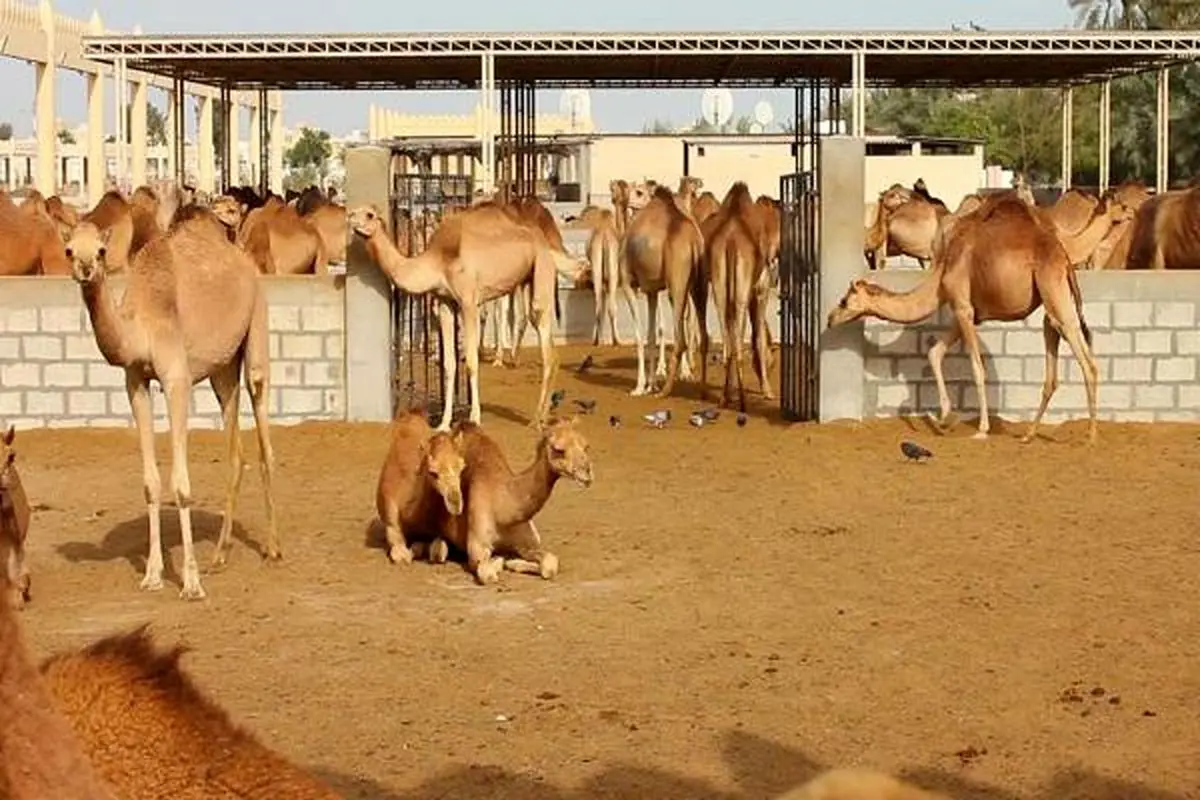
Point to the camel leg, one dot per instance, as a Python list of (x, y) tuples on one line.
[(1051, 338), (612, 279), (693, 337), (445, 314), (1061, 309), (502, 311), (485, 566), (525, 294), (699, 292), (257, 368), (227, 386), (679, 348), (657, 340), (966, 325), (761, 342), (531, 558), (178, 392), (937, 355), (596, 257), (439, 551), (398, 549), (543, 325), (639, 336), (470, 318), (143, 417)]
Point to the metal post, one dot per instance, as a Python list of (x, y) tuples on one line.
[(487, 143), (1105, 135), (223, 139), (122, 122), (179, 133), (264, 142), (858, 90), (1163, 123), (1068, 135)]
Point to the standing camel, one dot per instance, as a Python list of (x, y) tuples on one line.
[(14, 523), (474, 256), (604, 254), (999, 262), (193, 309)]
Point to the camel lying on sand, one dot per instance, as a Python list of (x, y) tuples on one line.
[(998, 262), (421, 476), (858, 784), (193, 308), (14, 519), (151, 733), (501, 504)]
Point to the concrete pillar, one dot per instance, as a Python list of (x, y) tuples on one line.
[(207, 168), (97, 166), (233, 135), (842, 175), (277, 150), (138, 132), (167, 168), (44, 106), (372, 123), (368, 294), (256, 165)]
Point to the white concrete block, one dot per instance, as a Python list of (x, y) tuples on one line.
[(302, 401), (879, 369), (110, 422), (19, 320), (26, 423), (20, 374), (1152, 342), (1154, 397), (991, 341), (273, 346), (1177, 416), (10, 404), (10, 348), (1175, 315), (82, 347), (1189, 397), (1111, 343), (321, 373), (1023, 343), (281, 319), (335, 347), (118, 404), (62, 319), (913, 369), (44, 404), (1021, 396), (1133, 314), (302, 347), (1136, 415), (42, 348), (1114, 396), (105, 376), (63, 375), (89, 404), (286, 373), (335, 403), (1187, 343), (205, 402), (1135, 369), (894, 341), (1097, 314), (324, 319), (1175, 369), (201, 423)]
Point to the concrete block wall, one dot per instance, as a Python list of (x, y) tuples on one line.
[(52, 373), (1146, 342)]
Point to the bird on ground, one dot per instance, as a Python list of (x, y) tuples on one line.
[(709, 414), (658, 418), (914, 451), (556, 398), (741, 420), (614, 421), (585, 406), (586, 364)]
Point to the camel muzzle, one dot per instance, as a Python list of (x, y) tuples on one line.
[(454, 503)]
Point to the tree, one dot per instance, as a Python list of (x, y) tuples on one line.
[(66, 137), (6, 131), (658, 126), (156, 126), (312, 148)]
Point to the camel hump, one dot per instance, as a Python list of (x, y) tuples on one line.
[(738, 197), (664, 194)]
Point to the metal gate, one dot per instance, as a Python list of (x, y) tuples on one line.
[(800, 320), (418, 201)]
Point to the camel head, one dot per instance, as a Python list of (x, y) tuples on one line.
[(366, 221), (689, 184), (444, 467), (14, 524), (856, 303), (619, 190), (567, 451), (640, 194), (895, 196), (87, 250), (229, 211)]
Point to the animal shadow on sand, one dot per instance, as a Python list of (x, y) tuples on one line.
[(130, 540), (761, 769)]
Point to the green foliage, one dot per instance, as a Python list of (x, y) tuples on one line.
[(66, 137), (6, 131), (311, 149), (740, 125)]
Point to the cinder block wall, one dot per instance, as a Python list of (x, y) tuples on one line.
[(1146, 343), (52, 374)]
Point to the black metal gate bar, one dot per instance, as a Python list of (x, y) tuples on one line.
[(179, 123), (264, 143)]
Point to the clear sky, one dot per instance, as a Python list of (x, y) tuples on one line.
[(341, 112)]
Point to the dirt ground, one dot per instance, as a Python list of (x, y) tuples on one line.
[(738, 608)]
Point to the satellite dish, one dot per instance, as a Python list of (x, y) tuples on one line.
[(764, 115), (756, 127), (717, 106), (576, 104)]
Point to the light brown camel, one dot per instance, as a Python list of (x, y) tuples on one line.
[(474, 256), (193, 309), (278, 240), (604, 255), (30, 242), (619, 192), (1166, 232), (858, 784), (907, 220), (328, 219), (14, 522), (1113, 251), (113, 216), (735, 260), (662, 250), (705, 206), (1073, 210), (40, 756), (420, 477), (999, 262), (153, 735), (500, 504), (686, 194)]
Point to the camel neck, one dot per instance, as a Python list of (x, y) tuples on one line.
[(416, 275), (108, 323), (528, 491), (1081, 246), (911, 306)]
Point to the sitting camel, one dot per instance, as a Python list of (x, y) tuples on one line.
[(500, 505), (998, 262), (420, 476), (151, 733), (474, 256), (193, 308), (858, 784), (14, 520)]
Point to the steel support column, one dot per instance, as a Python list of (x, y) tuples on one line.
[(1068, 135), (1105, 135), (264, 142), (1163, 132)]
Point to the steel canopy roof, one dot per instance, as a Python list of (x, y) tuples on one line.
[(428, 61)]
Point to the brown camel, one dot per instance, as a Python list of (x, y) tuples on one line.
[(736, 259), (420, 477), (705, 206), (40, 756), (662, 249), (14, 520), (30, 242), (153, 735), (686, 194), (113, 216), (1073, 210), (193, 309), (1113, 251), (906, 219), (619, 192), (474, 256), (604, 254), (858, 784), (278, 240), (501, 504), (1166, 232), (999, 262)]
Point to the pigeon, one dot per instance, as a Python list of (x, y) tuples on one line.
[(614, 421), (658, 418), (556, 398), (585, 406), (697, 420), (709, 414), (914, 451), (586, 364), (741, 420)]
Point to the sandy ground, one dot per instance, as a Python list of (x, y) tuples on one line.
[(738, 607)]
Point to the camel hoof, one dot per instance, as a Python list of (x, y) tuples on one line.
[(400, 555), (549, 566), (151, 583), (218, 563), (639, 392), (274, 554), (980, 435), (439, 552), (192, 593), (1027, 438)]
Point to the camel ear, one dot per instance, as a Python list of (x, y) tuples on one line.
[(858, 284), (105, 235), (9, 435)]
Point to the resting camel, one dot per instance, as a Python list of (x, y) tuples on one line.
[(604, 255), (858, 784), (30, 242), (999, 262), (40, 756), (193, 309), (907, 220), (474, 256), (151, 733), (421, 475), (14, 523), (736, 254), (662, 249), (501, 504)]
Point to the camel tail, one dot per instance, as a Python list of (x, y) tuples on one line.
[(564, 264), (1073, 282)]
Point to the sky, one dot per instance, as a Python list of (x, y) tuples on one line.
[(627, 111)]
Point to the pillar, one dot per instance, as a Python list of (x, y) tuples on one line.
[(858, 81), (170, 160), (256, 112), (233, 151), (207, 167), (1105, 135), (1163, 130), (97, 164), (1068, 135), (138, 131), (487, 134), (277, 150)]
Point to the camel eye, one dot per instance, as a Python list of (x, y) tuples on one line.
[(101, 252), (70, 253)]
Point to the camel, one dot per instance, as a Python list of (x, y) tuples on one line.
[(501, 504), (736, 253), (705, 206), (662, 249), (474, 256), (1073, 210), (14, 519), (858, 784), (1113, 250), (999, 262), (420, 476), (278, 240), (619, 192), (907, 220), (40, 756), (686, 194), (150, 732), (193, 309), (1165, 232), (604, 254), (113, 216), (328, 219), (30, 242)]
